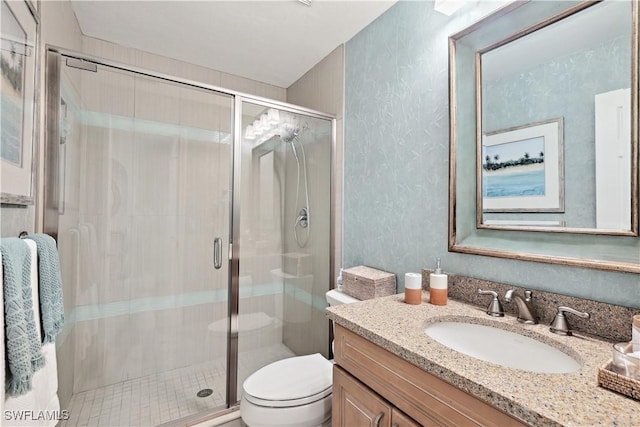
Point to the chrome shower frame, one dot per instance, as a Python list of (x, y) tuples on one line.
[(53, 61)]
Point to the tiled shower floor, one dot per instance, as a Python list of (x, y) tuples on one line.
[(166, 396)]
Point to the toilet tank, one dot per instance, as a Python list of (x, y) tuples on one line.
[(336, 297)]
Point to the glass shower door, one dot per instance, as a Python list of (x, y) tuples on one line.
[(283, 232), (143, 204)]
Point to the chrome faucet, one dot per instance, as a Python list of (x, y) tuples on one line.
[(526, 312)]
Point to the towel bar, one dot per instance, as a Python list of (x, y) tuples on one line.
[(23, 234)]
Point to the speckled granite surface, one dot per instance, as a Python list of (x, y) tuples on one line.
[(609, 321), (572, 399)]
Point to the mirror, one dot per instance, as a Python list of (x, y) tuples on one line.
[(555, 107), (544, 134)]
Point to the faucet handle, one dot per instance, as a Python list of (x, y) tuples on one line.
[(560, 324), (495, 307)]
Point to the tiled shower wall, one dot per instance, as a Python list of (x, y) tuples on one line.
[(322, 89), (306, 329)]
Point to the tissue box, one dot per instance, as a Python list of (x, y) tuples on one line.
[(365, 282)]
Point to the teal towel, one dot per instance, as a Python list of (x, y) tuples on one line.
[(23, 350), (50, 287)]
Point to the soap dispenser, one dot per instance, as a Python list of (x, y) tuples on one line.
[(339, 281), (438, 288)]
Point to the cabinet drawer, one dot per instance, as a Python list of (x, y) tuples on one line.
[(422, 396)]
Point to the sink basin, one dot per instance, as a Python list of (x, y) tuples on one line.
[(502, 347)]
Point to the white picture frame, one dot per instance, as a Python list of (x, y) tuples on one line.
[(19, 59), (522, 168)]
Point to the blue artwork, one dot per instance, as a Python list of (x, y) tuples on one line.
[(514, 169), (12, 54)]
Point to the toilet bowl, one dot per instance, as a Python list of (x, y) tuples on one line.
[(293, 392)]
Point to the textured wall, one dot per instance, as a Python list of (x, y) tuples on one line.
[(396, 160)]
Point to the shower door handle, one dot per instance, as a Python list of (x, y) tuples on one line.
[(217, 253)]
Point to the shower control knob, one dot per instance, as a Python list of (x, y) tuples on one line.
[(303, 218)]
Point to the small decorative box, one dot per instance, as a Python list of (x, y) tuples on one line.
[(616, 382), (366, 283)]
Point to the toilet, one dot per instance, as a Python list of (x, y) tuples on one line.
[(293, 392)]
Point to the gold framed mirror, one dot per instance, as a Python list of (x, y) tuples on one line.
[(544, 134)]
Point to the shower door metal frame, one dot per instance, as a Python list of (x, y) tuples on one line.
[(50, 213), (234, 249)]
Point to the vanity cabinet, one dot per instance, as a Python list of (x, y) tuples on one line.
[(354, 404), (374, 387)]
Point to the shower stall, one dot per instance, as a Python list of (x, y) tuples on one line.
[(194, 231)]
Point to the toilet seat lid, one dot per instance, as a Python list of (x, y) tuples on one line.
[(290, 382)]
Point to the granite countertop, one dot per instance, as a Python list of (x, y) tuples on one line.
[(572, 399)]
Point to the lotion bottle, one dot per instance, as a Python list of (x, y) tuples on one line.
[(438, 292)]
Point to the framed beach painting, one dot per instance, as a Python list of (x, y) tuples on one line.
[(18, 58), (522, 168)]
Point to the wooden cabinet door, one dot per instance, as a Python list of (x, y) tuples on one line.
[(400, 419), (355, 405)]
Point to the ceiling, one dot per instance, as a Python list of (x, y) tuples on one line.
[(275, 41)]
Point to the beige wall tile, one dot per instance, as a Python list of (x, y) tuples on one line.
[(89, 353), (65, 359), (322, 88)]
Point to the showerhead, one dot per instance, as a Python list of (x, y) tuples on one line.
[(288, 132)]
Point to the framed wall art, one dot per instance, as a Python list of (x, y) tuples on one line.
[(522, 168), (18, 65)]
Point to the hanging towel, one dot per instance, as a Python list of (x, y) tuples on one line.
[(43, 396), (50, 287), (23, 349)]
